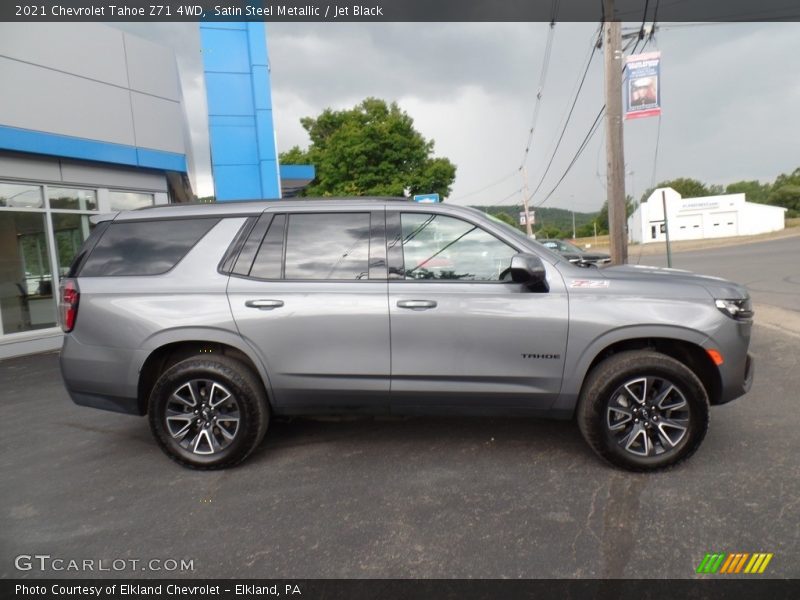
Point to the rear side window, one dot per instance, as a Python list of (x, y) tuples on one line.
[(268, 260), (327, 246), (144, 247)]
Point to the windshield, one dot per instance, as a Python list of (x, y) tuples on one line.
[(566, 246)]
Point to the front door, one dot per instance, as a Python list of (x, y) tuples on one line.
[(461, 336), (310, 297)]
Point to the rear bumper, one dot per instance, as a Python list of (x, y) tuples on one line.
[(100, 377), (128, 406)]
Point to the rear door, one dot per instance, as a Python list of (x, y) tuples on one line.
[(461, 337), (309, 294)]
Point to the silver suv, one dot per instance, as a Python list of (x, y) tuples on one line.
[(210, 319)]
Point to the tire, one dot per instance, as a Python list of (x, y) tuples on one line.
[(208, 412), (664, 430)]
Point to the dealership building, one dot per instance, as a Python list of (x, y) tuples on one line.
[(699, 218), (92, 120)]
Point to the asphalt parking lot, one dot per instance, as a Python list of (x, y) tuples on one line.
[(769, 269), (399, 498)]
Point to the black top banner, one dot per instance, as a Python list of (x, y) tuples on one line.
[(398, 10)]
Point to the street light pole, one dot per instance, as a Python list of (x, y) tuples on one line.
[(525, 207), (573, 217)]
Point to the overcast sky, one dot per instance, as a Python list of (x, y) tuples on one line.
[(730, 96)]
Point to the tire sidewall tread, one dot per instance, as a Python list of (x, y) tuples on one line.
[(247, 388), (609, 374)]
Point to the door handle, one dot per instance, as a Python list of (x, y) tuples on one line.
[(264, 304), (417, 304)]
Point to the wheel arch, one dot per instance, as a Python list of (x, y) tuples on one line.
[(690, 354), (684, 345), (162, 356)]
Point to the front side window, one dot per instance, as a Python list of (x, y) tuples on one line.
[(327, 246), (446, 248)]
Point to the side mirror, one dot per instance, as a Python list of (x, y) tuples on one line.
[(529, 270)]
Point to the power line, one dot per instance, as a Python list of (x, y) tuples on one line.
[(644, 20), (503, 199), (542, 80), (566, 122), (487, 186), (592, 130), (655, 19), (534, 118)]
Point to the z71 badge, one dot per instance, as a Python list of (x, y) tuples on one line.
[(589, 283)]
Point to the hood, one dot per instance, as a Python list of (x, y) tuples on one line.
[(716, 286)]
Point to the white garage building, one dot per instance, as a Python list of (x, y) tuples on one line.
[(697, 218)]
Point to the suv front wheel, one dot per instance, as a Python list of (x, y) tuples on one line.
[(208, 412), (642, 410)]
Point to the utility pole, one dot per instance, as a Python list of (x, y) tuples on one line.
[(525, 195), (615, 156)]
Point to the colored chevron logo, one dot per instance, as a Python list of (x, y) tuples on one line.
[(724, 563)]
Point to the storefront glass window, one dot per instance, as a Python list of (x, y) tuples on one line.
[(13, 195), (129, 200), (40, 223), (26, 276), (68, 198), (69, 232)]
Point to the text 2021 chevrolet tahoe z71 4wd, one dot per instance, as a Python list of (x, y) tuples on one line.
[(211, 318)]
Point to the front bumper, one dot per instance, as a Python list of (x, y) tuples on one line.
[(749, 371), (738, 386)]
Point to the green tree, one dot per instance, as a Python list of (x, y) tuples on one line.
[(786, 192), (754, 191), (686, 187), (370, 149), (550, 232), (602, 217), (506, 218), (586, 230)]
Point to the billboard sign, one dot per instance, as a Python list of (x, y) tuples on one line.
[(427, 198), (642, 85)]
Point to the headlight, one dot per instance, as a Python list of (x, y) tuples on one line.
[(736, 309)]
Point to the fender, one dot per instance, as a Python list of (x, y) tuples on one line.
[(574, 376), (205, 334)]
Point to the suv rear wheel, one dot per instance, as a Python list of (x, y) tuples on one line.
[(642, 410), (208, 412)]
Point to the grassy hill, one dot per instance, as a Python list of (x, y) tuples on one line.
[(548, 220)]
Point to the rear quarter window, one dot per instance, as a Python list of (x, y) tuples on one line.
[(144, 247)]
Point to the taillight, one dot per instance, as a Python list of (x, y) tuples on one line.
[(69, 304)]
